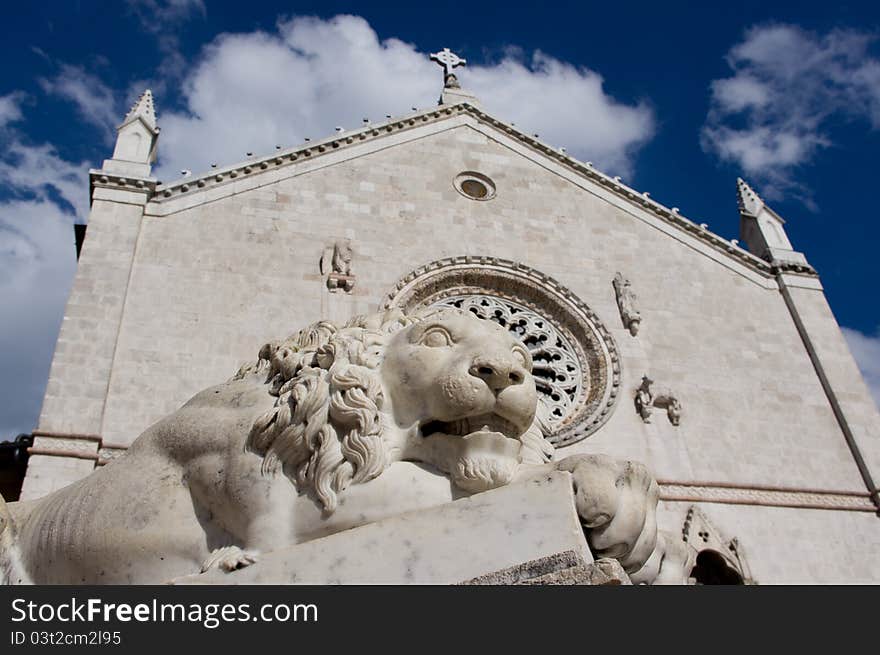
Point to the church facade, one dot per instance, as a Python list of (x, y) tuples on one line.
[(718, 364)]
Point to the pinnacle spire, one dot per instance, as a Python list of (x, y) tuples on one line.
[(136, 140), (749, 201), (143, 109), (762, 229)]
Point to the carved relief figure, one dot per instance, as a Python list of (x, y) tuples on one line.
[(626, 303), (338, 268), (646, 399), (341, 261), (332, 428), (665, 399)]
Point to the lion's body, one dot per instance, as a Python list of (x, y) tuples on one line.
[(333, 428), (186, 487)]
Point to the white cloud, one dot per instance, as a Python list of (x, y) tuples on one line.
[(567, 106), (37, 259), (866, 351), (773, 113), (10, 109), (93, 99), (38, 171), (249, 92)]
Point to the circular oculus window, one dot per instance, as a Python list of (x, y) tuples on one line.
[(475, 186)]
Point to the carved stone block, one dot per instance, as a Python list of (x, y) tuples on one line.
[(504, 536)]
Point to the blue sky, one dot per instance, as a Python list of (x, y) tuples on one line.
[(678, 99)]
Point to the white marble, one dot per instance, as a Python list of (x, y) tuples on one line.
[(335, 428), (453, 543)]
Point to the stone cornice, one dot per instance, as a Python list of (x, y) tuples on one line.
[(165, 192), (99, 178)]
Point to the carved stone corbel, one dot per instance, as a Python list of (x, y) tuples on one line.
[(647, 399), (626, 303), (336, 265)]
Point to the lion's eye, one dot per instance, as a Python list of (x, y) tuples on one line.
[(436, 338)]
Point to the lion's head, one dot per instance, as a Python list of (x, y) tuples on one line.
[(441, 387)]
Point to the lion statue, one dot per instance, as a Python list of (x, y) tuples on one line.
[(332, 428)]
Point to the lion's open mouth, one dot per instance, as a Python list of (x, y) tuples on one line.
[(465, 426)]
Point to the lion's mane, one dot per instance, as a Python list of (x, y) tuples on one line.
[(326, 429)]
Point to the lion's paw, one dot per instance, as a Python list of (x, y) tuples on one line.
[(229, 558)]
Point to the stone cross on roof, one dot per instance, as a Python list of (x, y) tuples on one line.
[(448, 60)]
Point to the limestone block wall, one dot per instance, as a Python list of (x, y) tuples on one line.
[(217, 273), (71, 418), (840, 370)]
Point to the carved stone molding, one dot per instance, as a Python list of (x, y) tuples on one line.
[(67, 435), (626, 303), (103, 179), (730, 494), (577, 365), (70, 446), (106, 455)]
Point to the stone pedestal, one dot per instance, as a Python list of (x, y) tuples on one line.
[(522, 533)]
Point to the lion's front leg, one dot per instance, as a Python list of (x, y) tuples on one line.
[(616, 501), (248, 513)]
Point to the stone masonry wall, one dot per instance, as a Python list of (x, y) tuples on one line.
[(212, 282)]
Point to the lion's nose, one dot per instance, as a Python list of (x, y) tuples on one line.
[(497, 372)]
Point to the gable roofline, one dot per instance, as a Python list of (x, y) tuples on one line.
[(162, 192)]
